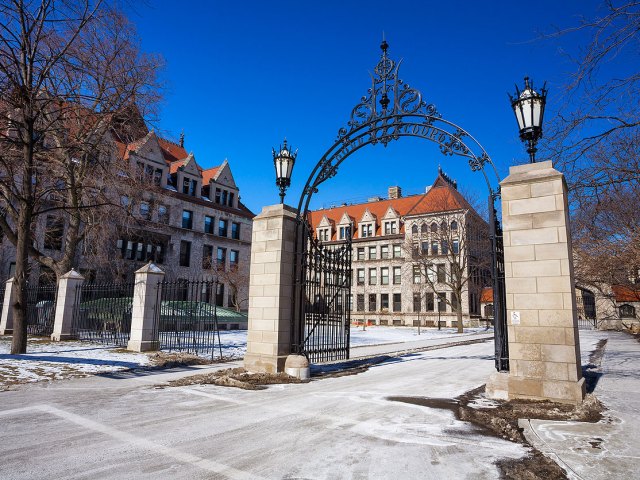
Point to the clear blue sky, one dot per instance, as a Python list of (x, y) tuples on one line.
[(242, 75)]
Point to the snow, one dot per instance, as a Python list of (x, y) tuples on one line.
[(384, 335)]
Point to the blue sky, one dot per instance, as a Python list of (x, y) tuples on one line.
[(242, 75)]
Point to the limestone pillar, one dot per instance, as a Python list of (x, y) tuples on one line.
[(271, 289), (544, 349), (144, 334), (65, 305), (6, 320)]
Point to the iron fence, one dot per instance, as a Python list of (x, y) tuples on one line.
[(41, 309), (103, 313), (186, 318)]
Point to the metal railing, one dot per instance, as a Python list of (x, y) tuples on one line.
[(41, 309), (186, 317), (103, 313)]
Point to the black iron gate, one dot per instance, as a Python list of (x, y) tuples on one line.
[(390, 110), (325, 301), (499, 293), (41, 309)]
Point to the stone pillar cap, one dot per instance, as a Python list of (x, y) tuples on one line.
[(151, 268), (72, 274)]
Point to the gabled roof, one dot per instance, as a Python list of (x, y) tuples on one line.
[(441, 197), (210, 174), (625, 294), (171, 151)]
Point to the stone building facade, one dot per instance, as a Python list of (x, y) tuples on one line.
[(392, 241), (186, 219)]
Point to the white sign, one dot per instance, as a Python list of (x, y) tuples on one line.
[(515, 318)]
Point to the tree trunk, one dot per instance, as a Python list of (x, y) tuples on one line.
[(459, 314), (19, 339)]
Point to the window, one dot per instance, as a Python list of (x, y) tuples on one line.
[(384, 301), (366, 230), (442, 302), (417, 304), (360, 253), (373, 253), (384, 251), (345, 232), (416, 274), (414, 229), (235, 230), (384, 276), (222, 228), (218, 196), (360, 276), (360, 302), (454, 301), (442, 272), (221, 258), (185, 253), (390, 228), (323, 234), (209, 224), (397, 302), (163, 214), (456, 247), (434, 248), (373, 276), (224, 197), (145, 211), (186, 185), (231, 197), (124, 201), (424, 229), (187, 219), (53, 233), (434, 227), (627, 311), (373, 302), (397, 251), (157, 176), (488, 311), (234, 257), (207, 257), (425, 248), (429, 301), (445, 247), (454, 226), (397, 275)]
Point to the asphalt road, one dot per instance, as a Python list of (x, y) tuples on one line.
[(124, 426)]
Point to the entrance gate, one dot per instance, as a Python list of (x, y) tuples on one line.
[(390, 110)]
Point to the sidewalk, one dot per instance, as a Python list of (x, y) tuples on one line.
[(609, 449)]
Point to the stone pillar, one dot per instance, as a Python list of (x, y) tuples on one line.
[(544, 349), (145, 295), (6, 321), (271, 289), (65, 305)]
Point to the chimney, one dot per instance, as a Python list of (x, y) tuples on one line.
[(395, 192)]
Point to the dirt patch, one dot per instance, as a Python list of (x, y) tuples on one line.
[(177, 359), (500, 419), (236, 377)]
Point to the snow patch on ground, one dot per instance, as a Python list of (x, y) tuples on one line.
[(376, 335)]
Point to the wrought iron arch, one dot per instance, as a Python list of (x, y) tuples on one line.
[(391, 109)]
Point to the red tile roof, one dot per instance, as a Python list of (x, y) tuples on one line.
[(625, 294), (209, 174), (441, 197), (171, 151), (487, 295)]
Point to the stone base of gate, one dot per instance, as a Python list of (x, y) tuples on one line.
[(143, 345), (297, 366), (271, 289), (542, 321)]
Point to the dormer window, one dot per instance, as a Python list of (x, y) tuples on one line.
[(366, 230), (345, 232), (323, 234), (390, 227)]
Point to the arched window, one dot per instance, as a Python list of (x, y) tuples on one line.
[(414, 229), (434, 227), (627, 311), (454, 226), (424, 229)]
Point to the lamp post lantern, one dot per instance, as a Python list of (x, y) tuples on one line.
[(283, 160), (528, 105)]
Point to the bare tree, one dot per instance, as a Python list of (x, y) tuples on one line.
[(450, 256), (236, 280), (71, 75)]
